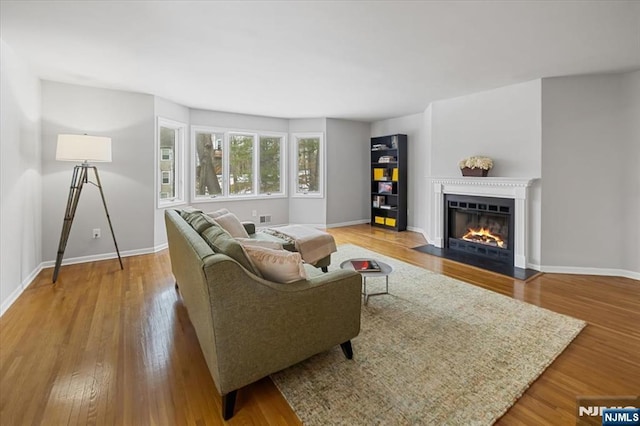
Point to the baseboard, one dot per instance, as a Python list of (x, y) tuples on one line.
[(353, 222), (606, 272), (105, 256), (18, 291), (310, 225), (420, 231), (160, 247), (83, 259)]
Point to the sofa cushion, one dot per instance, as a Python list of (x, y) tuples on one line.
[(218, 213), (277, 265), (221, 242), (232, 225), (198, 220)]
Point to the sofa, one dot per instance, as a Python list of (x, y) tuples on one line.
[(247, 326)]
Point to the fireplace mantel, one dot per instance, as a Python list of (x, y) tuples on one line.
[(501, 187)]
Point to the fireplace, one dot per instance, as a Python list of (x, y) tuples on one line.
[(480, 226), (514, 191)]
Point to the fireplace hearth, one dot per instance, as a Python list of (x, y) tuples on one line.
[(480, 226)]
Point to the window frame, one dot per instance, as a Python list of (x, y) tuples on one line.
[(226, 152), (177, 156), (295, 137), (283, 165)]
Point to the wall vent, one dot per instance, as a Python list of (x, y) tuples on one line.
[(265, 219)]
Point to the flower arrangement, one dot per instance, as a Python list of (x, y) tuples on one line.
[(476, 162)]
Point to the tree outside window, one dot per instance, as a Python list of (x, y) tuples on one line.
[(240, 164), (209, 172), (236, 163), (308, 173), (270, 164)]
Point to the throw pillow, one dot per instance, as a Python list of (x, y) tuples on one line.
[(280, 266), (232, 225)]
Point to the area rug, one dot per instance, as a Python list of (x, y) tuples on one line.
[(434, 351)]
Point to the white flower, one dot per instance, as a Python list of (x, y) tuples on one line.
[(476, 162)]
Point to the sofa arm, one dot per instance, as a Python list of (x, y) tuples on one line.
[(250, 227), (262, 327)]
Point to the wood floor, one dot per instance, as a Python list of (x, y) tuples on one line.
[(105, 346)]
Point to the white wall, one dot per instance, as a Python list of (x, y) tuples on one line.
[(414, 126), (631, 179), (278, 208), (348, 168), (128, 181), (504, 124), (20, 176), (590, 153), (310, 211)]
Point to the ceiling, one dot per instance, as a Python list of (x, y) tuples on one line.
[(351, 59)]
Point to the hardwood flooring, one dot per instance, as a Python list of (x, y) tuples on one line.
[(111, 346)]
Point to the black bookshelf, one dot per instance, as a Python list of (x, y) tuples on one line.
[(389, 182)]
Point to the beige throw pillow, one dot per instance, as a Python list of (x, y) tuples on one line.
[(281, 266), (230, 223)]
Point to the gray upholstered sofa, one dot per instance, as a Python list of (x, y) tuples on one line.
[(249, 327)]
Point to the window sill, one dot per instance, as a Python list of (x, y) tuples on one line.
[(166, 204), (307, 196), (199, 200)]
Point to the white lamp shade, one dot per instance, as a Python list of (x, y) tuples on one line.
[(83, 148)]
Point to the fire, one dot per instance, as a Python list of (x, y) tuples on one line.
[(484, 236)]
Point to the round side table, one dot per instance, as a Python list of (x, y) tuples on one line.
[(385, 271)]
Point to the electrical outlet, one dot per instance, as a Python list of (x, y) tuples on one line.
[(254, 213), (96, 232)]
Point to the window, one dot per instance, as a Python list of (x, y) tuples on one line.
[(166, 154), (166, 178), (240, 164), (241, 153), (271, 164), (208, 164), (170, 180), (308, 173)]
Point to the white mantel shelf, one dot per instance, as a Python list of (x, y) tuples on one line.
[(500, 187), (485, 181)]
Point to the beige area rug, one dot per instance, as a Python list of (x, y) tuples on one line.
[(436, 351)]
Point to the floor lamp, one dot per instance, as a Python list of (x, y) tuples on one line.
[(81, 148)]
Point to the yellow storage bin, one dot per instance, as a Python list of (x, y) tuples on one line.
[(379, 220), (378, 174), (389, 221), (394, 176)]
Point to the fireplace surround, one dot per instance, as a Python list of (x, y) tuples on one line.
[(513, 189), (479, 226)]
